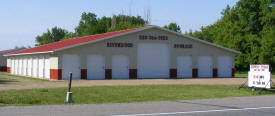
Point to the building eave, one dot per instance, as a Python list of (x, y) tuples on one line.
[(32, 53)]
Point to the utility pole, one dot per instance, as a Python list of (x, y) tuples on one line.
[(69, 98)]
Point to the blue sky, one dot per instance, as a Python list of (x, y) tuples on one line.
[(22, 20)]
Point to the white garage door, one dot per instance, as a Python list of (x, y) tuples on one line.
[(16, 66), (41, 67), (205, 66), (184, 68), (29, 72), (70, 63), (24, 67), (153, 60), (35, 67), (47, 68), (12, 66), (225, 66), (95, 67), (120, 67), (20, 66)]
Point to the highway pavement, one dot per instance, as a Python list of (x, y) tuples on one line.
[(237, 106)]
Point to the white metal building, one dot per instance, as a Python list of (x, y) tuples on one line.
[(3, 59), (146, 52)]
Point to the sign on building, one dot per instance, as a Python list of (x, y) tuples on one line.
[(259, 76)]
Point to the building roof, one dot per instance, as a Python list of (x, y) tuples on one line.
[(6, 50), (47, 48), (10, 50), (65, 44)]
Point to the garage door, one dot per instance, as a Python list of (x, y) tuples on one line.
[(35, 67), (16, 66), (184, 68), (70, 63), (24, 67), (205, 66), (120, 67), (153, 60), (29, 72), (41, 67), (95, 67), (12, 66), (225, 66), (20, 66), (47, 68)]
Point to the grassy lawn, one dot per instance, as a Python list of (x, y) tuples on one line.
[(119, 94), (6, 78), (245, 75)]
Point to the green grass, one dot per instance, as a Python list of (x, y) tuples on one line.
[(121, 94), (8, 79), (5, 76), (245, 75)]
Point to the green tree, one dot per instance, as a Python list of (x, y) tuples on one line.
[(267, 55), (87, 25), (90, 24), (247, 27), (173, 27), (123, 22), (53, 35)]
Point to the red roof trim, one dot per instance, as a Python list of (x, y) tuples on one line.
[(6, 50), (71, 42)]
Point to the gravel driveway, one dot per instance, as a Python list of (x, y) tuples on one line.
[(28, 84)]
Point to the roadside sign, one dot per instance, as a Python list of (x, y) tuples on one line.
[(259, 76)]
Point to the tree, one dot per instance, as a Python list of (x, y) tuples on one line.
[(173, 27), (87, 25), (267, 55), (22, 47), (126, 22), (53, 35), (247, 27)]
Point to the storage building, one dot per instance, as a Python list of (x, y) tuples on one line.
[(3, 59), (139, 53)]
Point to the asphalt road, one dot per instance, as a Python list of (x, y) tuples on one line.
[(239, 106)]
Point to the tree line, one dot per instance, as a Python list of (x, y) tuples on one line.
[(249, 27), (90, 24)]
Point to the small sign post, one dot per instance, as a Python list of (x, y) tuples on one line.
[(69, 98), (259, 76)]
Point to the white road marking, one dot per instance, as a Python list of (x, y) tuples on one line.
[(203, 111)]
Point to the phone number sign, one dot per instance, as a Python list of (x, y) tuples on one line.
[(259, 76), (259, 68)]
